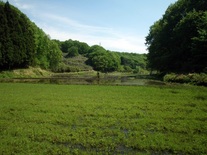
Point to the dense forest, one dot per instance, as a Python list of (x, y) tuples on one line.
[(178, 41), (23, 44)]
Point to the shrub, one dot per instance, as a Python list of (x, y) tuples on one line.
[(169, 77), (196, 79), (127, 69)]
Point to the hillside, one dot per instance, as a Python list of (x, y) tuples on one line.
[(79, 56), (74, 64)]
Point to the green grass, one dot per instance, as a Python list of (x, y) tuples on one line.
[(92, 119)]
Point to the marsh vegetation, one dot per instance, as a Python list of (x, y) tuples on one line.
[(100, 119), (89, 78)]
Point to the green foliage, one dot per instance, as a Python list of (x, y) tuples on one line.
[(47, 52), (80, 47), (132, 61), (72, 51), (177, 42), (42, 47), (54, 55), (102, 60), (81, 119), (127, 69), (16, 41), (196, 79), (140, 70), (23, 44)]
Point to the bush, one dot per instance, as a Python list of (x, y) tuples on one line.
[(196, 79), (66, 68), (127, 69), (169, 77)]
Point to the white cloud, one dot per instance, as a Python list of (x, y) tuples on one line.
[(65, 28), (110, 42), (75, 25), (127, 45), (21, 5)]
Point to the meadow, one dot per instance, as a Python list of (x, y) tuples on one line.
[(99, 119)]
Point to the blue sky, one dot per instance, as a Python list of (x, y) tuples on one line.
[(118, 25)]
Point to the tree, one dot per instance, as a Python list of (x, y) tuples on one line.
[(54, 56), (73, 51), (102, 60), (17, 41), (41, 48), (81, 46), (4, 39), (22, 43), (47, 52), (133, 60), (66, 45), (173, 42)]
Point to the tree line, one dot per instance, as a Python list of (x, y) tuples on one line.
[(178, 41)]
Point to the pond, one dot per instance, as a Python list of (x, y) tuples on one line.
[(90, 80)]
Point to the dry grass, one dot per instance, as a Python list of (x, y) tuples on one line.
[(30, 72)]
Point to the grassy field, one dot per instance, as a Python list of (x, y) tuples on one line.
[(91, 119)]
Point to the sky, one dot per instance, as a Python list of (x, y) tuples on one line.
[(117, 25)]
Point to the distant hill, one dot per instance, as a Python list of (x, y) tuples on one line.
[(99, 58)]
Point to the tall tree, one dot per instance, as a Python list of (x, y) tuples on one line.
[(4, 39), (22, 43), (54, 56), (176, 42), (17, 41)]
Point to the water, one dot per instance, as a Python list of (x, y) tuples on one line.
[(90, 80)]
